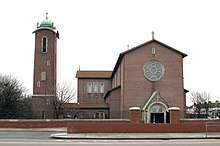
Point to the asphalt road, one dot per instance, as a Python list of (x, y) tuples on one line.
[(20, 138), (24, 135), (51, 142)]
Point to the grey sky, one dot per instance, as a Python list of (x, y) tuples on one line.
[(94, 32)]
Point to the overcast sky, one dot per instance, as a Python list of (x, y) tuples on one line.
[(94, 32)]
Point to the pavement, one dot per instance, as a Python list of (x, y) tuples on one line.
[(61, 133), (136, 136)]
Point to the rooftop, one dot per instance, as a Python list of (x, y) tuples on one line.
[(46, 24), (93, 74)]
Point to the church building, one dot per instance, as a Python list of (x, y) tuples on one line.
[(149, 76)]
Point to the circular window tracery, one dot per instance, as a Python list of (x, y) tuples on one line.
[(153, 70)]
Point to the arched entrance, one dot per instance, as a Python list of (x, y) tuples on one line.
[(81, 115), (157, 113)]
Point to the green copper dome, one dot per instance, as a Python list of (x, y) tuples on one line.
[(46, 23)]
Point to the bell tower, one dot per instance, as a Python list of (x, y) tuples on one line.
[(45, 69)]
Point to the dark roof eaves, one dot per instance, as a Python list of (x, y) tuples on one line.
[(109, 91), (44, 28), (183, 54), (93, 77)]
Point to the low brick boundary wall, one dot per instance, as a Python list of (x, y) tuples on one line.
[(134, 126), (137, 128), (183, 126), (33, 123), (199, 121), (55, 123), (115, 126), (131, 125)]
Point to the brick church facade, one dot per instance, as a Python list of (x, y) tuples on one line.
[(149, 76)]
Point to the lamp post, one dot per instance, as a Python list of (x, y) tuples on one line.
[(77, 115)]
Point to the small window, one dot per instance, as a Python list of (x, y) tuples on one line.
[(95, 87), (48, 101), (43, 76), (44, 44), (38, 83), (99, 115), (48, 62), (89, 87), (101, 87)]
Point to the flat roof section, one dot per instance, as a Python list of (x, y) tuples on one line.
[(93, 74)]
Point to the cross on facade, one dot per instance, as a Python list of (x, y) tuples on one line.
[(152, 34)]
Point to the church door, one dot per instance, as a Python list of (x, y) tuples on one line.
[(157, 118), (157, 113)]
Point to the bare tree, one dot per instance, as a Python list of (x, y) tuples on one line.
[(201, 101), (65, 94), (12, 98)]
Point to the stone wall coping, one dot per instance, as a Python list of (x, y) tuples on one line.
[(202, 119), (134, 108), (174, 108), (60, 120)]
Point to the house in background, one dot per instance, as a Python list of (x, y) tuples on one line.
[(210, 110)]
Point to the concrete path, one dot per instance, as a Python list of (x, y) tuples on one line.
[(138, 136)]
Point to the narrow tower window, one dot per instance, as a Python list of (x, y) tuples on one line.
[(43, 76), (38, 83), (44, 45), (48, 62), (101, 85), (89, 87), (95, 87)]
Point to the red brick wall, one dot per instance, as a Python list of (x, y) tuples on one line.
[(122, 127), (174, 115), (32, 123), (53, 123), (114, 101), (89, 126), (134, 125), (135, 115), (40, 62), (136, 88), (47, 87), (136, 128), (198, 121), (84, 97)]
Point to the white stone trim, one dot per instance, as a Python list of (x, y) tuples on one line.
[(148, 110), (173, 108), (134, 108)]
